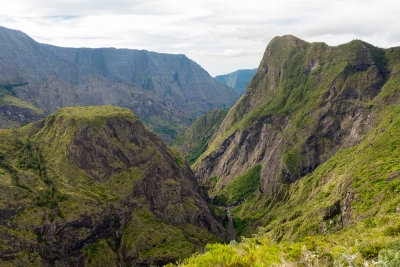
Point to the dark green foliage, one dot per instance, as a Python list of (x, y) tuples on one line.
[(99, 254), (166, 130), (392, 230), (220, 200), (194, 140), (292, 160), (370, 250), (197, 150), (55, 199), (240, 188), (391, 253), (179, 162), (50, 198), (9, 87)]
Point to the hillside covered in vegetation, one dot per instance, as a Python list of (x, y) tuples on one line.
[(309, 159), (304, 170), (92, 186)]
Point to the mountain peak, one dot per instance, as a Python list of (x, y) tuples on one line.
[(286, 40), (90, 113), (99, 180)]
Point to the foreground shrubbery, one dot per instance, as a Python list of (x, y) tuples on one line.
[(311, 251)]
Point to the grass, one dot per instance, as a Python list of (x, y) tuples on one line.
[(369, 170), (240, 188), (364, 179), (295, 93), (311, 251), (7, 99), (194, 140), (41, 182)]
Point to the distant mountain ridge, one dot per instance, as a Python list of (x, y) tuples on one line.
[(238, 80), (166, 91)]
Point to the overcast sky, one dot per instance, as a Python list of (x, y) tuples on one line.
[(221, 36)]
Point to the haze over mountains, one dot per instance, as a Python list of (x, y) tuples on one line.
[(238, 80), (166, 91), (305, 164)]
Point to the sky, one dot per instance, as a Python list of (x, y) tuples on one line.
[(221, 36)]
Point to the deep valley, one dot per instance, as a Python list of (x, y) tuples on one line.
[(119, 157)]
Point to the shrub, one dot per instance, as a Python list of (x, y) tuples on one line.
[(390, 255)]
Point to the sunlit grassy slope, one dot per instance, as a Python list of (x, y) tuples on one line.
[(92, 185), (290, 230), (346, 211)]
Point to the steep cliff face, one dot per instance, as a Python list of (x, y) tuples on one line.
[(238, 80), (194, 140), (91, 185), (165, 91), (306, 102), (172, 77)]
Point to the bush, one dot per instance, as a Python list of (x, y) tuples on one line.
[(370, 250), (391, 254), (392, 230)]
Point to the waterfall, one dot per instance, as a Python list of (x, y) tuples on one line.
[(231, 229)]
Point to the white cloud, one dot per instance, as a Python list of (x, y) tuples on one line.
[(219, 35)]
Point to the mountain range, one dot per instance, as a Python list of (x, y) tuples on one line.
[(166, 91), (304, 168), (238, 80)]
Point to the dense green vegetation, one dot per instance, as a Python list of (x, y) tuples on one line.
[(13, 107), (333, 196), (81, 182), (291, 232), (298, 92), (311, 251), (240, 188), (315, 178), (194, 140)]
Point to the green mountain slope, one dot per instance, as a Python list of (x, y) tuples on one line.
[(238, 80), (15, 112), (91, 185), (194, 140), (306, 103), (345, 213), (318, 129), (165, 91)]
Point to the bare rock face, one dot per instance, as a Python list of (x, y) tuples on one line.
[(305, 103), (13, 116), (91, 185), (346, 210), (244, 149)]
